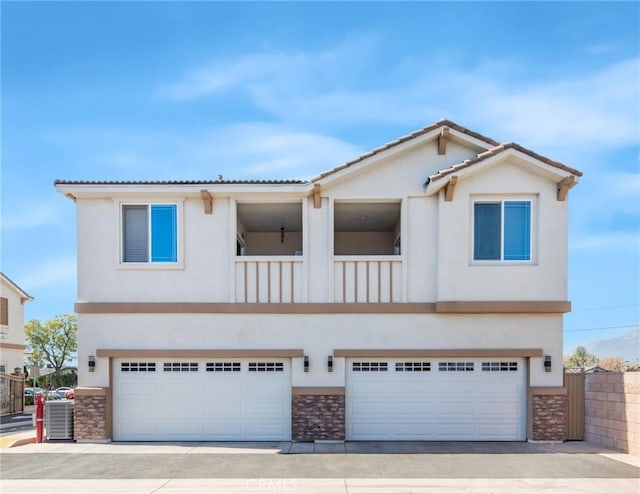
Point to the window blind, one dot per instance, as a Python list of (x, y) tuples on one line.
[(486, 234), (135, 233)]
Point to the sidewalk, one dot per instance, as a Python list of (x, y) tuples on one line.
[(323, 486), (18, 439), (24, 443), (322, 468)]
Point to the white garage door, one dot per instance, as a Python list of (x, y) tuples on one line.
[(202, 400), (436, 399)]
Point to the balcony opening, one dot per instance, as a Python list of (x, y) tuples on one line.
[(366, 229), (269, 229)]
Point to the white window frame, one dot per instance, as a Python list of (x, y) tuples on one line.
[(533, 242), (119, 228)]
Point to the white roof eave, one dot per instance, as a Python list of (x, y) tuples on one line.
[(538, 166)]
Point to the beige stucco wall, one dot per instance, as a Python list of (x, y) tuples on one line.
[(544, 278), (12, 357), (436, 239), (436, 266), (612, 410), (318, 335)]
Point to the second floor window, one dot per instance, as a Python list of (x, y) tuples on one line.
[(502, 231), (4, 311), (149, 233)]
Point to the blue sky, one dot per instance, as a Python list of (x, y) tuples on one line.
[(164, 90)]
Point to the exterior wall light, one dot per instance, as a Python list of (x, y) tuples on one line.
[(306, 363), (547, 363), (92, 363), (330, 363)]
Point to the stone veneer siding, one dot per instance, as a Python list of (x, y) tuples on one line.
[(549, 418), (318, 417), (612, 410), (90, 418)]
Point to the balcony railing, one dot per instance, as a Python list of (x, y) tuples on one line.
[(268, 279), (367, 279)]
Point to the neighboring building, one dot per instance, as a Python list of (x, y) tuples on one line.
[(12, 347), (415, 292), (589, 369)]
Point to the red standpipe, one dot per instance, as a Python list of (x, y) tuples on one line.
[(39, 417)]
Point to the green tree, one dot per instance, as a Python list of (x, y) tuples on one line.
[(53, 342), (581, 358), (615, 364)]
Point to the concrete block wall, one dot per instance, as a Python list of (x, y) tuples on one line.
[(612, 410)]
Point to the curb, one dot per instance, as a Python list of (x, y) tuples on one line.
[(14, 443)]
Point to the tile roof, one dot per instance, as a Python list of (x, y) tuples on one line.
[(497, 150), (178, 182), (408, 137)]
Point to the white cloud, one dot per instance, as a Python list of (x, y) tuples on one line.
[(237, 151), (332, 88), (274, 151), (608, 242), (51, 272), (623, 185), (287, 73), (18, 217), (598, 109)]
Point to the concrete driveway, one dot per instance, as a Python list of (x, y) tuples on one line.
[(345, 468)]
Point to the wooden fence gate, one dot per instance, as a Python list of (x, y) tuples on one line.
[(575, 404), (11, 394)]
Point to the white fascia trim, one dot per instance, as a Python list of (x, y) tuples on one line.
[(191, 190), (543, 169), (24, 296)]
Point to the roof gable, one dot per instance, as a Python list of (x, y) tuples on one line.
[(23, 295), (488, 152), (425, 134), (564, 175)]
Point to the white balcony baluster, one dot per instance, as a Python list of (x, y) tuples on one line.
[(367, 279), (268, 279)]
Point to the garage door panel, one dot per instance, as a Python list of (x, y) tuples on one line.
[(194, 400), (180, 429), (138, 387), (412, 408), (222, 409), (436, 399), (370, 407), (222, 429), (407, 431), (266, 408), (367, 430), (265, 430), (139, 428), (498, 431), (265, 388), (500, 409)]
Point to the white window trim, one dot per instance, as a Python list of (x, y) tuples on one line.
[(148, 266), (533, 238)]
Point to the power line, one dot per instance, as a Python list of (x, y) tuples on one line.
[(597, 329)]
